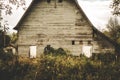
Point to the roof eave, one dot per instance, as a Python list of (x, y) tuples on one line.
[(17, 26)]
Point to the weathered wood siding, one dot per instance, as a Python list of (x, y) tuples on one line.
[(102, 45), (57, 26)]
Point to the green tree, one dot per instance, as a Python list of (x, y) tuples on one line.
[(4, 39), (6, 8), (113, 29), (13, 37), (116, 7), (6, 5)]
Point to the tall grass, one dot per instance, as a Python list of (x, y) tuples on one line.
[(59, 67)]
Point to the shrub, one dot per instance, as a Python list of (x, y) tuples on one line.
[(65, 67), (50, 50), (12, 68), (59, 67), (60, 51), (105, 58)]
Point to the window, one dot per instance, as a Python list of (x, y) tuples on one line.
[(73, 42), (48, 1), (81, 42), (60, 1), (89, 42)]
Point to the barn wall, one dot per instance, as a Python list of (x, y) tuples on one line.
[(102, 45), (44, 24)]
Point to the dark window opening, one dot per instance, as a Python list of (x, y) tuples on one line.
[(89, 42), (60, 1), (9, 50), (81, 42), (48, 1), (73, 42)]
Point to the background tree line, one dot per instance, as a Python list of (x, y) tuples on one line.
[(116, 7), (113, 29)]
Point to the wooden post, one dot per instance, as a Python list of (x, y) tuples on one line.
[(0, 19), (4, 36)]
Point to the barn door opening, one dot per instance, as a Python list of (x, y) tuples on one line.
[(87, 51), (33, 52)]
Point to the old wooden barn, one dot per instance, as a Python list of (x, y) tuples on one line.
[(61, 24)]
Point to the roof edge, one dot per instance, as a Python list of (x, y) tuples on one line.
[(16, 27), (77, 4)]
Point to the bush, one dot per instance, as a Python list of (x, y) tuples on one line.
[(64, 67), (50, 50), (59, 67), (12, 68), (105, 58)]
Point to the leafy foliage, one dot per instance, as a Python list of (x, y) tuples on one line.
[(4, 40), (13, 37), (116, 7), (78, 68), (59, 67), (6, 5), (113, 29), (48, 50), (13, 68)]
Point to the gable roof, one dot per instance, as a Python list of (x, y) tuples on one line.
[(78, 6)]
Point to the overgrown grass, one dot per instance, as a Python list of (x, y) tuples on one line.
[(67, 67), (59, 67)]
